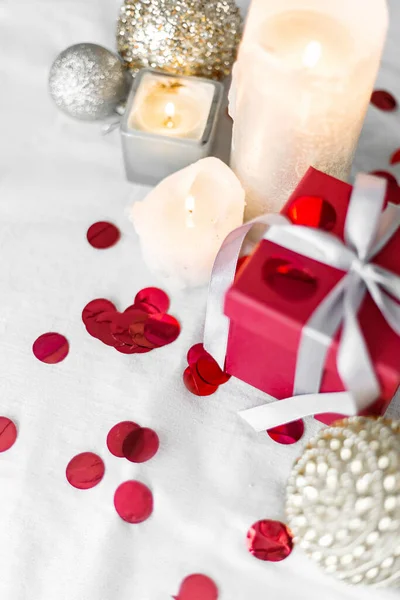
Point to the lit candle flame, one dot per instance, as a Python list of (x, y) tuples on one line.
[(190, 205), (170, 113), (312, 54)]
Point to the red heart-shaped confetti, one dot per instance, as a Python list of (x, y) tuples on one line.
[(133, 502), (8, 434), (384, 100), (290, 433), (269, 540), (154, 297), (197, 587), (85, 471), (161, 329), (117, 435), (102, 235), (140, 445), (51, 348)]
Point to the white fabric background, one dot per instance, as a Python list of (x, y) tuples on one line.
[(212, 477)]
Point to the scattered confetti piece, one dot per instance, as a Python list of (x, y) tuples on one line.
[(290, 433), (269, 540), (142, 327), (210, 371), (197, 587), (103, 235), (384, 100), (395, 158), (161, 329), (85, 471), (117, 435), (196, 385), (51, 348), (154, 297), (8, 434), (133, 502), (140, 445)]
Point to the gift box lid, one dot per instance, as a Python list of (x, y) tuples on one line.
[(277, 290)]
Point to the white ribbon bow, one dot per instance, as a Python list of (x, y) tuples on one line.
[(367, 231)]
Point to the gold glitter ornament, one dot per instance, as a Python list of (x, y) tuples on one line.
[(187, 37), (343, 501), (88, 82)]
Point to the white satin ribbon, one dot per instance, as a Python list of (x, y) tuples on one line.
[(367, 231)]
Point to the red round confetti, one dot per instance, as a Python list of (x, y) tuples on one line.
[(140, 445), (85, 471), (210, 371), (100, 328), (151, 310), (117, 435), (313, 211), (122, 322), (395, 158), (133, 502), (161, 329), (290, 433), (384, 100), (288, 280), (51, 348), (195, 352), (196, 385), (8, 434), (155, 297), (269, 540), (197, 587), (102, 235), (132, 349), (95, 307)]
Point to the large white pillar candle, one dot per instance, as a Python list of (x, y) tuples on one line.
[(301, 88), (184, 220)]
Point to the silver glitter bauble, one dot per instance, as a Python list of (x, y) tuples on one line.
[(88, 82), (188, 37), (343, 501)]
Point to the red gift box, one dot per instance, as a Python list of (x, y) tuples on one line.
[(278, 290)]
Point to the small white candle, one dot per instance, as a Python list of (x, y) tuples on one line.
[(170, 122), (302, 85), (172, 107), (184, 220)]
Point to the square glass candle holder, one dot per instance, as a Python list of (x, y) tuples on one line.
[(169, 122)]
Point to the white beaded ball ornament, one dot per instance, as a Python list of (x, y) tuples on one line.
[(343, 501)]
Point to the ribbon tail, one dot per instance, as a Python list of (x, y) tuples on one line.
[(280, 412), (353, 360), (316, 339)]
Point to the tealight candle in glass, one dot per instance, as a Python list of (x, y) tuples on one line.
[(169, 123)]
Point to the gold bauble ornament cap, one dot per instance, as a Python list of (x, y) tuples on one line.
[(343, 501), (186, 37)]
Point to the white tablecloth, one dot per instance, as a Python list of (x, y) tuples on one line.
[(213, 477)]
